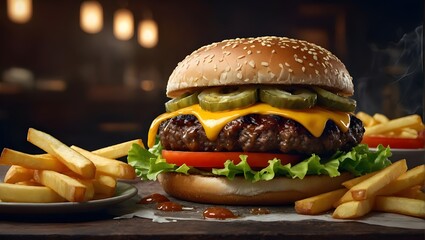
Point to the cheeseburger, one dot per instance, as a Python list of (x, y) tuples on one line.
[(264, 120)]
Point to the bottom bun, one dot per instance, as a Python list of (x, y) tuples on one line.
[(220, 190)]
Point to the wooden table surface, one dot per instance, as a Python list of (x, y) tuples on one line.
[(100, 225)]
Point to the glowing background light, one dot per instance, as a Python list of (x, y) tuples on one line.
[(148, 33), (123, 24), (19, 11), (91, 16)]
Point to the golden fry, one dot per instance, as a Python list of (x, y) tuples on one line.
[(29, 194), (18, 174), (365, 118), (350, 183), (117, 150), (405, 206), (411, 121), (372, 185), (108, 166), (353, 209), (412, 177), (66, 186), (70, 158), (413, 192), (104, 185), (40, 161), (380, 118), (319, 203)]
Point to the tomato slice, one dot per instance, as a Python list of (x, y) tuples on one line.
[(217, 159), (394, 142)]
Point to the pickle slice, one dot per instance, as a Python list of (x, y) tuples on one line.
[(298, 99), (334, 101), (185, 100), (227, 98)]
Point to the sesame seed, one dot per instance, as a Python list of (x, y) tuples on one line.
[(287, 64), (273, 51), (249, 52), (241, 56), (299, 60), (317, 71), (258, 52), (280, 65), (252, 46), (251, 63), (303, 69), (290, 70), (239, 75), (265, 64)]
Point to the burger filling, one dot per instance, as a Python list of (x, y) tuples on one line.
[(258, 133)]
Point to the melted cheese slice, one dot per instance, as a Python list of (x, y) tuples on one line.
[(313, 119)]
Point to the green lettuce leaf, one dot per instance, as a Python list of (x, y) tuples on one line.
[(149, 163), (360, 160)]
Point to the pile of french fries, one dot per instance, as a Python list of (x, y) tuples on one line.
[(380, 125), (393, 189), (63, 173)]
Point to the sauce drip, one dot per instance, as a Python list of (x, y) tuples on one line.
[(154, 198), (169, 206), (218, 213), (259, 211)]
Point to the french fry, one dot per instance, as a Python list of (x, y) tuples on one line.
[(380, 118), (29, 194), (353, 209), (104, 185), (372, 185), (18, 174), (412, 177), (413, 192), (29, 183), (88, 183), (117, 150), (108, 166), (406, 206), (319, 203), (365, 118), (411, 121), (40, 161), (89, 193), (350, 183), (66, 186), (70, 158)]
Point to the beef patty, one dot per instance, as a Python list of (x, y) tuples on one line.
[(258, 133)]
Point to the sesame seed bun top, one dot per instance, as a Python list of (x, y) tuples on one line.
[(262, 60)]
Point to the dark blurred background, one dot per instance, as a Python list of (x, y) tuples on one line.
[(93, 90)]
